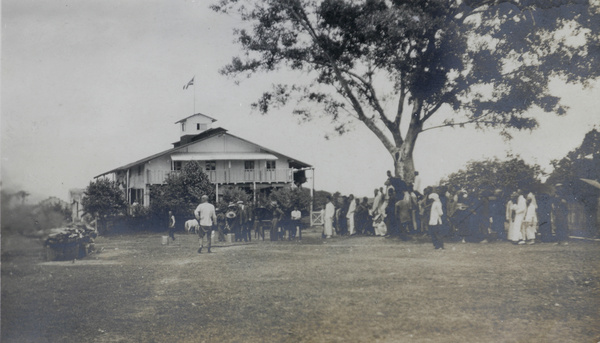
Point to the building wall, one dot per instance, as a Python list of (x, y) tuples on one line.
[(156, 170), (191, 125), (224, 143)]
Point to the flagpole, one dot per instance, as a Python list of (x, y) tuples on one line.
[(194, 95)]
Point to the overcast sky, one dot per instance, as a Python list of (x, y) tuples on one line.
[(88, 86)]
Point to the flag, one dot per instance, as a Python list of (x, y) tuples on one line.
[(191, 83)]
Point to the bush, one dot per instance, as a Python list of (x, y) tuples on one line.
[(103, 198), (288, 198), (181, 193)]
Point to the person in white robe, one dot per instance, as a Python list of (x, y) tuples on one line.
[(519, 209), (530, 221), (376, 202), (350, 215), (329, 215), (379, 219)]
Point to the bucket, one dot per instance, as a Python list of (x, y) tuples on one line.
[(165, 240)]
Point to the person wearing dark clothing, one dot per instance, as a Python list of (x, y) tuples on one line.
[(561, 213), (461, 217), (171, 225), (399, 185), (474, 207), (341, 220), (243, 222), (544, 202), (365, 221), (232, 219), (403, 214), (360, 216), (275, 222), (390, 215), (497, 214), (483, 218)]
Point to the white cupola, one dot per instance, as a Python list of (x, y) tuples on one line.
[(194, 124)]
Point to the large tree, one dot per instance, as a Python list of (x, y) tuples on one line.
[(394, 64)]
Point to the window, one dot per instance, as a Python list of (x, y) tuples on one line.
[(211, 165), (140, 169), (271, 165), (182, 126), (136, 196), (201, 127), (177, 165), (248, 165)]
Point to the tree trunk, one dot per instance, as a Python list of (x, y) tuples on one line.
[(404, 163)]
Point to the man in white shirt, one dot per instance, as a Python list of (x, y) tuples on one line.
[(207, 217), (296, 215)]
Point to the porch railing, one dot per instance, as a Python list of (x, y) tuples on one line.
[(231, 175)]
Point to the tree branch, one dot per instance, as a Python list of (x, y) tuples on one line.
[(303, 20)]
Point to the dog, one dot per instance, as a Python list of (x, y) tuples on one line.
[(192, 226)]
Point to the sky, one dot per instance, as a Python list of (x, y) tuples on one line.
[(88, 86)]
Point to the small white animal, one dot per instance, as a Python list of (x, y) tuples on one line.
[(192, 226)]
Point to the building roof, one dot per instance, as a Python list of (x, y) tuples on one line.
[(193, 115), (219, 156), (203, 136)]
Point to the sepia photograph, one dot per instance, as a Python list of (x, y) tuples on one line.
[(300, 171)]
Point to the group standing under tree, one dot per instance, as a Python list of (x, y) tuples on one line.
[(400, 211)]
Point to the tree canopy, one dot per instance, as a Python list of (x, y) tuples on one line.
[(289, 199), (582, 162), (181, 192), (388, 62), (103, 198), (488, 175)]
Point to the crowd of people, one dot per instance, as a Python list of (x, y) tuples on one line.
[(239, 219), (402, 210)]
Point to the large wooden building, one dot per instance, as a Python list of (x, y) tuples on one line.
[(228, 161)]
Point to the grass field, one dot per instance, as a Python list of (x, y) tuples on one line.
[(358, 289)]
